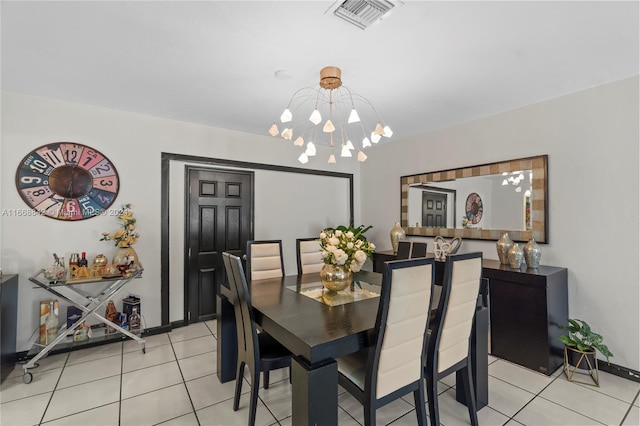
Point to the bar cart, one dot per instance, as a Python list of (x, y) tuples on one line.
[(94, 294)]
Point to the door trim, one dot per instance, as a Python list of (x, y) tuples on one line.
[(166, 159)]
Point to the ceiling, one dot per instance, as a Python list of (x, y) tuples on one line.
[(427, 66)]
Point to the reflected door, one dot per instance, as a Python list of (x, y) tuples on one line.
[(434, 209)]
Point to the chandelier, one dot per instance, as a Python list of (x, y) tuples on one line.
[(335, 104)]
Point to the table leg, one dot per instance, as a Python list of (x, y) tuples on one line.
[(314, 393), (479, 361), (227, 342)]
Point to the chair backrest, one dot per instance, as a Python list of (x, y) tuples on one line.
[(418, 250), (309, 255), (449, 341), (404, 250), (248, 347), (411, 250), (264, 259), (401, 324)]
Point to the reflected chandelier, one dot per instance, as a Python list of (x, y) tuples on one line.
[(332, 101)]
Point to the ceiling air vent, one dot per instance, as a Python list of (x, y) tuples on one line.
[(364, 13)]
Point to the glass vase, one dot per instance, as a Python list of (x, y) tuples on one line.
[(335, 277)]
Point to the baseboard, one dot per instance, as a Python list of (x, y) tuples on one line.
[(618, 370)]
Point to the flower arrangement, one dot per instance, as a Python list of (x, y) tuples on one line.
[(346, 246), (465, 222), (127, 235)]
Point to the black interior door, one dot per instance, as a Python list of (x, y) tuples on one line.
[(434, 209), (219, 218)]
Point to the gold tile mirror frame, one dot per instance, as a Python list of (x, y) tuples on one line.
[(539, 203)]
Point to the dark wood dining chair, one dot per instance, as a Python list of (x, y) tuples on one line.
[(309, 255), (258, 351), (404, 250), (449, 348), (394, 365), (418, 250), (264, 259)]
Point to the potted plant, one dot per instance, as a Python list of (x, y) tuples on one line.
[(580, 347)]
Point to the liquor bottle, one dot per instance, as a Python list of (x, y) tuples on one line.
[(51, 323), (73, 264), (83, 260), (111, 314), (134, 322)]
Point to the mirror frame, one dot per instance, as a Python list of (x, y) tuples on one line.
[(539, 207)]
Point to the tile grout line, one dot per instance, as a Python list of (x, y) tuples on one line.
[(629, 409), (184, 383), (54, 389), (121, 377)]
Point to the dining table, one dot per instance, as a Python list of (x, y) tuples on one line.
[(318, 327)]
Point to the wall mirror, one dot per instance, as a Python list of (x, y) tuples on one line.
[(479, 202)]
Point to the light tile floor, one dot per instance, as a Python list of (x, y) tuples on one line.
[(175, 383)]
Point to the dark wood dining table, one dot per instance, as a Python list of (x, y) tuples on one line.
[(317, 334)]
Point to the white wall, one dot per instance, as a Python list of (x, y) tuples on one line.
[(592, 141), (134, 143)]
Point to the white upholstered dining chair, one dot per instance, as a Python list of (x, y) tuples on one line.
[(264, 259), (309, 255), (394, 365), (449, 343)]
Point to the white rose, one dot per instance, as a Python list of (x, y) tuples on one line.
[(350, 235), (323, 235), (325, 254), (331, 248), (355, 267), (372, 246), (358, 243), (334, 241), (349, 245), (361, 256), (338, 232), (341, 257)]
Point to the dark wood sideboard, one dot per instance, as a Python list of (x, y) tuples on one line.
[(8, 323), (526, 309)]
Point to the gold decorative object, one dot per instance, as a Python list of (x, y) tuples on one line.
[(503, 246), (585, 364), (335, 277), (396, 234), (532, 254), (516, 256)]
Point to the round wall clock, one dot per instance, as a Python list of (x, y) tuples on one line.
[(473, 208), (67, 181)]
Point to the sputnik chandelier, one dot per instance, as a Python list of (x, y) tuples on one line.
[(331, 102)]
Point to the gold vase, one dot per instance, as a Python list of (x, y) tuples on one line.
[(123, 256), (335, 277)]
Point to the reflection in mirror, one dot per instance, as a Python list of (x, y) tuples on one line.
[(479, 202)]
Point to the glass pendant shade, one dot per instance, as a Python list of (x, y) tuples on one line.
[(332, 159), (353, 117), (273, 130), (328, 127), (366, 142), (387, 132), (505, 182), (287, 133), (375, 138), (350, 145), (286, 116), (315, 117), (345, 152), (303, 158), (361, 156), (311, 149), (378, 130), (299, 141)]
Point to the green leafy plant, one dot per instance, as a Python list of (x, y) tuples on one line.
[(583, 338)]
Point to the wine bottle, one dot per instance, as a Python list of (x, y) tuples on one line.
[(51, 323), (83, 260), (134, 322), (111, 314)]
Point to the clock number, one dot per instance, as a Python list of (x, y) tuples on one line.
[(106, 182), (71, 156), (38, 192), (38, 166), (31, 179), (90, 156)]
